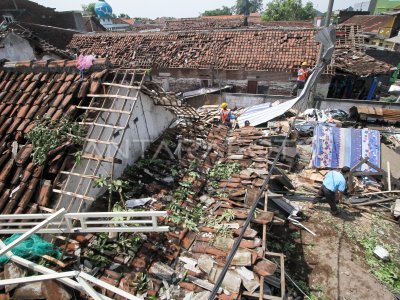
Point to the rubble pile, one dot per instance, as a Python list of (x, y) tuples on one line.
[(208, 193)]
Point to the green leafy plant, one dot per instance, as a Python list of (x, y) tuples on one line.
[(140, 283), (78, 157), (48, 135), (116, 185), (224, 171), (228, 215), (222, 230)]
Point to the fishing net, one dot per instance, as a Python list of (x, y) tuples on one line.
[(30, 248)]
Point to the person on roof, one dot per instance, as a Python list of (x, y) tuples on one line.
[(302, 76), (333, 187), (226, 115)]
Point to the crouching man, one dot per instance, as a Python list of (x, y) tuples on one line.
[(333, 187)]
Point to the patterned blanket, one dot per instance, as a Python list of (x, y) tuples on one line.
[(338, 147)]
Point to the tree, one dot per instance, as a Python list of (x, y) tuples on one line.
[(124, 16), (289, 10), (246, 7), (88, 10), (225, 10)]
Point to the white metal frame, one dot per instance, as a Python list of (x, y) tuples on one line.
[(64, 277), (142, 221)]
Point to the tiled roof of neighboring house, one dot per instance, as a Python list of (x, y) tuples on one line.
[(32, 12), (229, 22), (372, 24), (251, 49), (31, 90), (121, 21), (288, 24), (223, 17), (45, 40), (129, 21), (349, 55), (204, 23), (359, 63), (92, 24)]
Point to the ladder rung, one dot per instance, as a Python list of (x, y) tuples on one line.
[(122, 86), (101, 125), (73, 195), (104, 109), (101, 142), (102, 158), (112, 96), (80, 175)]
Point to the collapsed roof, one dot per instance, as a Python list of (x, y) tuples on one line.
[(49, 90)]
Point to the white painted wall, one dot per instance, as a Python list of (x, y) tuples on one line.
[(146, 124)]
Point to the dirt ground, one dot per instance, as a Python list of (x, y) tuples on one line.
[(331, 264)]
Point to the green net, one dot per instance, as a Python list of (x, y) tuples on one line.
[(30, 248)]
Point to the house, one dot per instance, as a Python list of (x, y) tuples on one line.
[(17, 42), (252, 60), (395, 43), (31, 12), (92, 24), (32, 31), (355, 74), (381, 6), (377, 28), (121, 117)]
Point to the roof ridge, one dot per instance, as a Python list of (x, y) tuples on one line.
[(52, 66)]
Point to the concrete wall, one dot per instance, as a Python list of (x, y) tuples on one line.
[(237, 99), (15, 48), (146, 124)]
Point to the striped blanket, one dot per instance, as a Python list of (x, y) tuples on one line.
[(338, 147)]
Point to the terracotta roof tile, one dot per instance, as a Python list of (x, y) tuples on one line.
[(30, 90), (251, 49)]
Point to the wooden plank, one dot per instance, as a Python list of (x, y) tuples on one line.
[(101, 158), (121, 86), (104, 110), (73, 195), (101, 125), (101, 142), (112, 96), (80, 175)]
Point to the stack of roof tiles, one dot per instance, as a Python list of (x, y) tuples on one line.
[(261, 50), (349, 55), (359, 63), (29, 91)]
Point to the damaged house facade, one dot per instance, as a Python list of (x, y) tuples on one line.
[(184, 61)]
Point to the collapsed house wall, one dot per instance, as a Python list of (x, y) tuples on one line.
[(146, 123)]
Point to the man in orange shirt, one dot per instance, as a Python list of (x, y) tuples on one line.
[(302, 76), (225, 115)]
